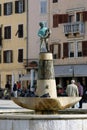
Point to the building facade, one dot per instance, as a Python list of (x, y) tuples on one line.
[(68, 22), (12, 40), (20, 44), (38, 11), (68, 41)]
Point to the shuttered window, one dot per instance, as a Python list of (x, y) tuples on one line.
[(59, 50), (7, 32), (65, 50), (63, 18), (59, 19), (0, 9), (52, 48), (8, 8), (55, 20), (8, 56), (20, 30), (85, 16), (0, 36), (55, 1), (0, 56), (20, 55), (84, 48), (19, 6)]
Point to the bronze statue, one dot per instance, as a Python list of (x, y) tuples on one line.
[(44, 34)]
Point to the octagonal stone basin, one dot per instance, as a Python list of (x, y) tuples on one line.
[(40, 104)]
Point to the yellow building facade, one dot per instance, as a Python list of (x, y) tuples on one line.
[(12, 40)]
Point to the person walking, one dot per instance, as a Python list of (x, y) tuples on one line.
[(72, 90), (80, 89), (15, 89)]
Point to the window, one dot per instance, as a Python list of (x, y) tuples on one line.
[(65, 49), (70, 18), (0, 56), (71, 49), (19, 6), (55, 1), (9, 79), (8, 8), (20, 31), (0, 10), (77, 17), (55, 20), (20, 55), (43, 7), (79, 49), (7, 32), (0, 36), (84, 48), (8, 56), (59, 19)]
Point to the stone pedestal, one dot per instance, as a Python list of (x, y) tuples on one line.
[(46, 79), (46, 85)]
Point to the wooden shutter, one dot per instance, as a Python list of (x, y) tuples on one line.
[(4, 56), (62, 18), (5, 9), (54, 1), (0, 9), (23, 5), (20, 55), (16, 6), (55, 20), (85, 16), (52, 48), (59, 50), (65, 50), (11, 4), (84, 48), (0, 36), (11, 55)]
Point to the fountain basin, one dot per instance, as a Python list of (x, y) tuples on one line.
[(15, 121), (40, 104)]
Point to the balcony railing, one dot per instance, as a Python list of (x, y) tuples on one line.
[(66, 61), (75, 27)]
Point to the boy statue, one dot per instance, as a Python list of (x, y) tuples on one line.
[(44, 34)]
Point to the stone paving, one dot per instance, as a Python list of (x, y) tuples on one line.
[(10, 106)]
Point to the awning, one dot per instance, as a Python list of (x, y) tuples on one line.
[(25, 77), (70, 70), (62, 71)]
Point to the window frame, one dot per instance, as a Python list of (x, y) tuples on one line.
[(19, 6), (8, 56), (55, 1), (8, 8), (7, 32), (20, 31), (43, 7), (20, 55)]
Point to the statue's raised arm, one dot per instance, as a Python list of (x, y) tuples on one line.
[(44, 34)]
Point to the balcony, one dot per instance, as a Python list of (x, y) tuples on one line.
[(30, 63), (71, 61), (74, 28)]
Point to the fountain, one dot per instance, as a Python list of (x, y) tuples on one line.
[(50, 112), (46, 99)]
